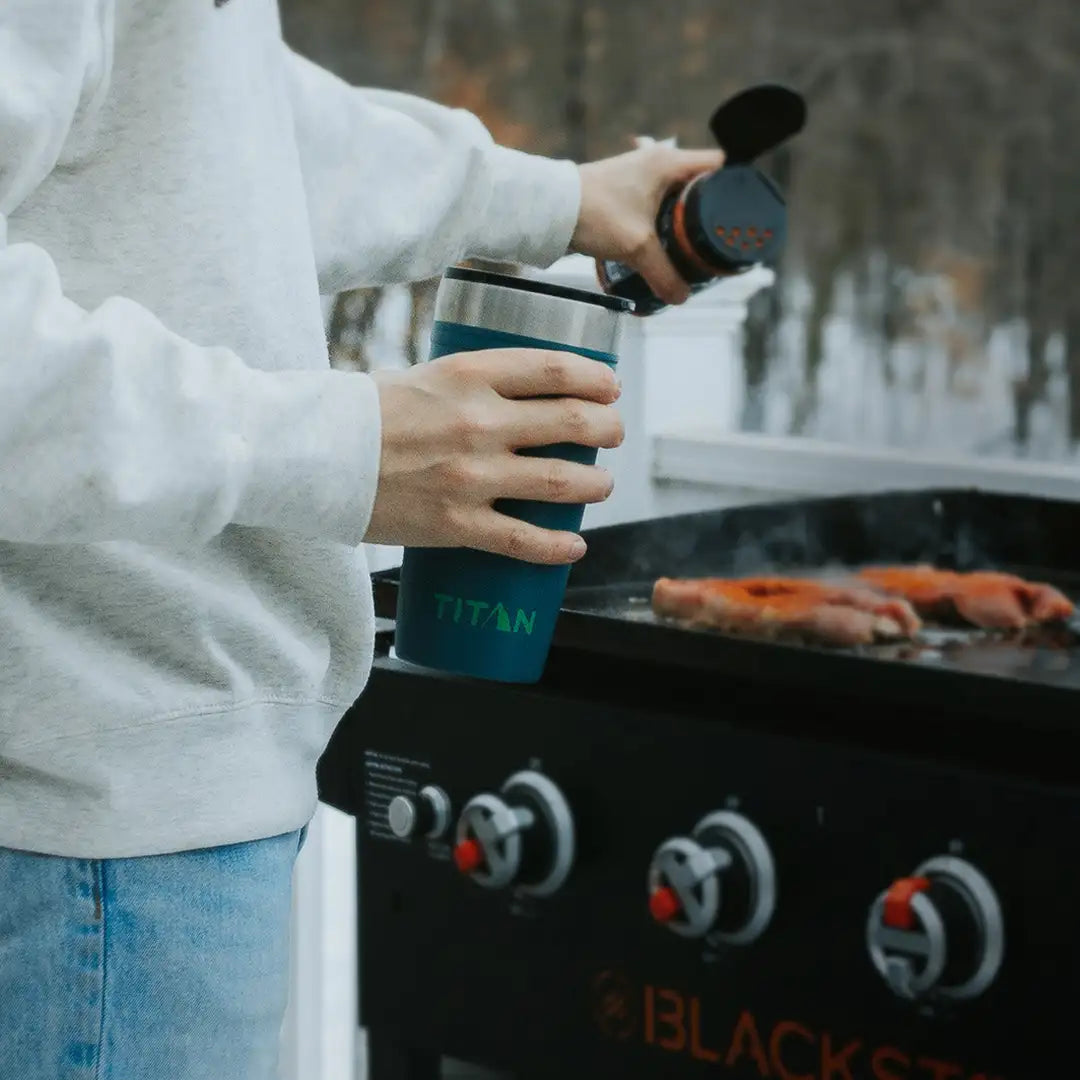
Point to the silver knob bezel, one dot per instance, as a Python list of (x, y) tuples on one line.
[(753, 849), (559, 820), (440, 809), (979, 894)]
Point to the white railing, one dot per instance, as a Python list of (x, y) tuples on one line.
[(789, 466), (320, 1033)]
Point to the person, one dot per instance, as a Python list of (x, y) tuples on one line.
[(186, 483)]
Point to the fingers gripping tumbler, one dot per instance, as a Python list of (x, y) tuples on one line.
[(469, 612)]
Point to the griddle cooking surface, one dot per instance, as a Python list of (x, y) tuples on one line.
[(1053, 650), (1033, 680), (607, 610)]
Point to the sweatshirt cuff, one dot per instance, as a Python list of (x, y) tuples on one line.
[(316, 475), (534, 207)]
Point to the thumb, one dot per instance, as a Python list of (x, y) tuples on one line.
[(678, 166)]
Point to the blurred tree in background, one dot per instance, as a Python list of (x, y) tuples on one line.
[(935, 195)]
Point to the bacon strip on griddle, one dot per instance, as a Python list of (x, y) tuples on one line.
[(986, 599), (774, 607)]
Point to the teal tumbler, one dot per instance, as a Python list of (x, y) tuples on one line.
[(469, 612)]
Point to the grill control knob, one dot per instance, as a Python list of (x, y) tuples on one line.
[(938, 933), (523, 836), (426, 815), (720, 881)]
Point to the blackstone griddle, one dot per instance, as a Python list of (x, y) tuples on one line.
[(689, 854)]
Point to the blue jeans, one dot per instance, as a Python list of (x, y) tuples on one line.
[(168, 967)]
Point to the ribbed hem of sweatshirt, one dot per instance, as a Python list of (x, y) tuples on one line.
[(187, 782), (534, 208)]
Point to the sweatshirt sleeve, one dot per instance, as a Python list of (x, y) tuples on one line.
[(399, 188), (111, 426)]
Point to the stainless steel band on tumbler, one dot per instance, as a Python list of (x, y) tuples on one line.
[(531, 309)]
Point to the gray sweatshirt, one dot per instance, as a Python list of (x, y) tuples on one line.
[(185, 610)]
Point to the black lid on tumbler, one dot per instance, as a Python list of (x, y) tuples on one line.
[(543, 288)]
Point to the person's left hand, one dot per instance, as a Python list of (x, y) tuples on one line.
[(620, 198)]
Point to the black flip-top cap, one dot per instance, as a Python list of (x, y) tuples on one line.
[(757, 120), (525, 284)]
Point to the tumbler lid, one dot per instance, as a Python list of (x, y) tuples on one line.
[(531, 312), (566, 292)]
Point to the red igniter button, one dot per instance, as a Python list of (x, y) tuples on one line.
[(664, 904), (898, 913), (469, 856)]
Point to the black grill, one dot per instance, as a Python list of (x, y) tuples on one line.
[(855, 765)]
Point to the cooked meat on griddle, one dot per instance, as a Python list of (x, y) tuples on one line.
[(852, 595), (874, 604), (784, 607), (988, 600)]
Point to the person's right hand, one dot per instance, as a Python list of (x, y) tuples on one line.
[(450, 429)]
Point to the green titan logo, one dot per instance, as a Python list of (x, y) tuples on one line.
[(482, 615)]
